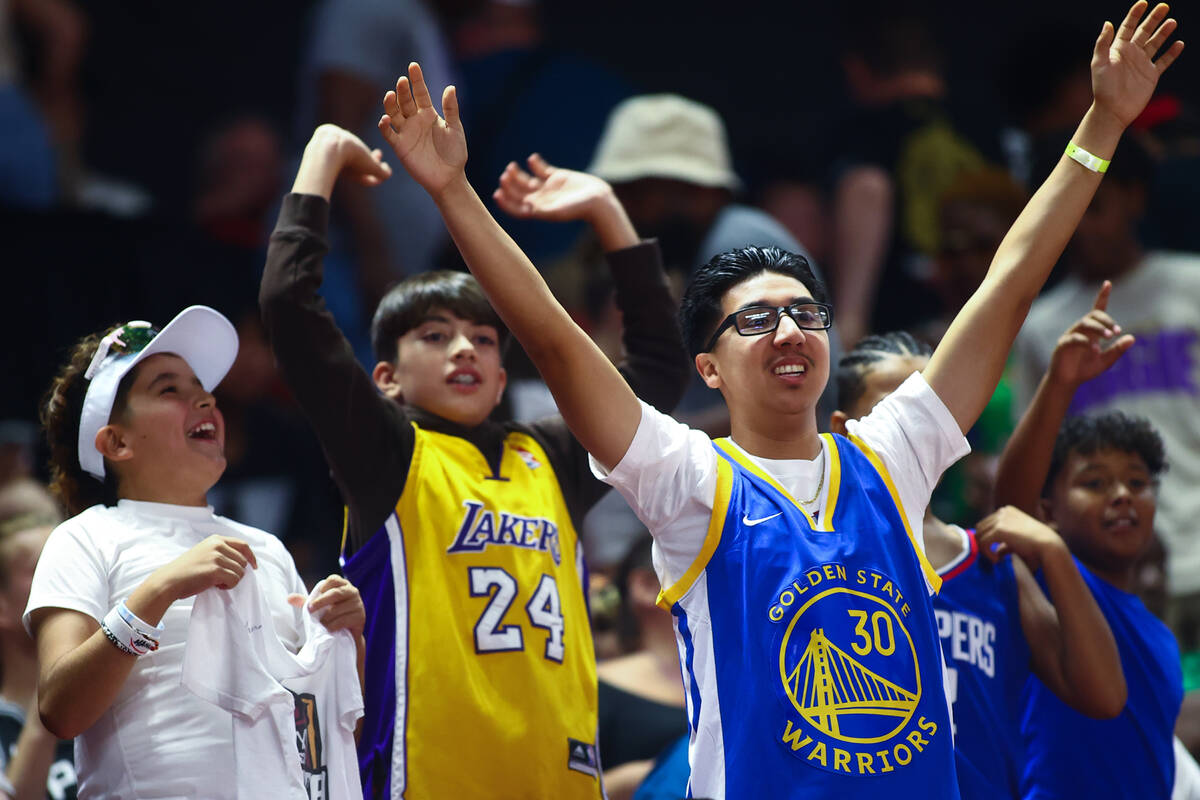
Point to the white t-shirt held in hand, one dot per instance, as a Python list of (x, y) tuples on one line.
[(154, 740), (293, 714)]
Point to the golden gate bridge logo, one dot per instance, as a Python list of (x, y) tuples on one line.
[(835, 691)]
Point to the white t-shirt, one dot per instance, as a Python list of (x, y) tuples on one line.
[(294, 714), (669, 473), (1159, 379), (155, 740)]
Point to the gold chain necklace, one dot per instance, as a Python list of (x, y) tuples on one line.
[(820, 483)]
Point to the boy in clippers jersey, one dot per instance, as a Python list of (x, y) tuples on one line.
[(792, 562), (997, 626), (462, 531)]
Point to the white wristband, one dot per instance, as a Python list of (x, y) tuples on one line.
[(129, 632), (1093, 162)]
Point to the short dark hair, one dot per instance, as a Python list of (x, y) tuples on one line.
[(854, 365), (1112, 430), (700, 309), (409, 303)]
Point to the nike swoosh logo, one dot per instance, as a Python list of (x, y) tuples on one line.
[(752, 522)]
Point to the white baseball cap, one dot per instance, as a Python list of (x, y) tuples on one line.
[(199, 335), (665, 136)]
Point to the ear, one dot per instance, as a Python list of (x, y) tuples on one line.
[(384, 376), (837, 422), (113, 444), (503, 383), (706, 365)]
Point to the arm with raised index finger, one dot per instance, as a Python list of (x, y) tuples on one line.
[(599, 407), (966, 366), (1084, 351)]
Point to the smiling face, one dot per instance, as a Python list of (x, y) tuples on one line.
[(1102, 504), (447, 366), (167, 444), (778, 373)]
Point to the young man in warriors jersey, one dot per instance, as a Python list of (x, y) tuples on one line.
[(793, 562), (1094, 479), (995, 622), (480, 674)]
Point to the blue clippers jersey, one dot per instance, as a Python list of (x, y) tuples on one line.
[(810, 650), (987, 664), (1070, 755)]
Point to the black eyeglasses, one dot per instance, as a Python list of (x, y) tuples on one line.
[(757, 320)]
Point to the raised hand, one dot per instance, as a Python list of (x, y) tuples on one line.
[(432, 149), (334, 152), (1010, 531), (1090, 346), (549, 192), (1124, 72)]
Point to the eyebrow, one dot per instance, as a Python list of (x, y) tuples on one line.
[(758, 303), (163, 376)]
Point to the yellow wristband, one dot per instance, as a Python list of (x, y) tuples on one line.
[(1092, 162)]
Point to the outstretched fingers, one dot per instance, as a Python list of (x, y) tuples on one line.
[(539, 166), (420, 91), (1155, 42), (1129, 25), (1149, 25), (450, 108), (1168, 58)]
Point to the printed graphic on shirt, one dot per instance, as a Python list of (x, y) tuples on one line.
[(529, 458), (1159, 362), (483, 528), (849, 672), (308, 743)]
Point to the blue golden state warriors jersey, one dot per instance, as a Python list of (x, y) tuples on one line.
[(987, 664), (810, 652), (1069, 755)]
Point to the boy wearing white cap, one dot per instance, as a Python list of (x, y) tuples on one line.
[(136, 442)]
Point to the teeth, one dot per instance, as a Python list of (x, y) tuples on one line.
[(790, 369), (464, 379), (203, 428)]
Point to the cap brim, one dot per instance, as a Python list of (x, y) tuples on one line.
[(203, 338)]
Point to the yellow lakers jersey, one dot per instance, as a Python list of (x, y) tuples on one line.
[(492, 674)]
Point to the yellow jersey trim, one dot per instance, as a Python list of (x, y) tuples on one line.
[(716, 524), (931, 575), (834, 468)]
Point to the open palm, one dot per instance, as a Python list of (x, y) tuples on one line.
[(432, 149), (1124, 72), (548, 192)]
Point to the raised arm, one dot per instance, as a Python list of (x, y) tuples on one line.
[(365, 438), (1088, 348), (600, 408), (967, 365), (1071, 646), (654, 364)]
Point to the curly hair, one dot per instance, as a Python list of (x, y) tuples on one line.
[(60, 412), (1112, 430), (854, 365), (700, 309)]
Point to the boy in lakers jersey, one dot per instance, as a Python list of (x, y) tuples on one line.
[(996, 625), (792, 563), (480, 671)]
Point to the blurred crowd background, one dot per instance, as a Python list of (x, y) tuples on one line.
[(145, 146)]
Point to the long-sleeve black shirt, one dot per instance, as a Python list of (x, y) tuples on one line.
[(368, 439)]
